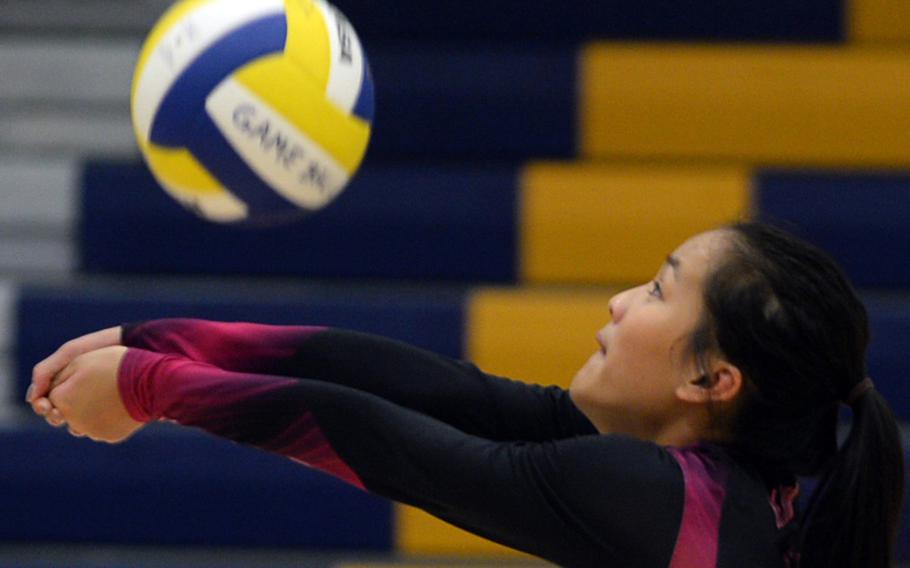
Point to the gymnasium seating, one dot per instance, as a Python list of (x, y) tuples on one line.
[(858, 217), (538, 223), (831, 106), (173, 488), (455, 223), (525, 165), (457, 22)]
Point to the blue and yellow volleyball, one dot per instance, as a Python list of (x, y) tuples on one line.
[(252, 110)]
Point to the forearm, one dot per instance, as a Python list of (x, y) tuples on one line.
[(449, 390), (362, 439), (234, 346), (257, 410)]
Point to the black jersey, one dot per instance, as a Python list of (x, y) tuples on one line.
[(513, 462)]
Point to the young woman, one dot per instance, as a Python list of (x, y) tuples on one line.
[(678, 444)]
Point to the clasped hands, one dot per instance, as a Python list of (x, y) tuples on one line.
[(77, 387)]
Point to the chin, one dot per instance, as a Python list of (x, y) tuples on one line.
[(576, 398), (578, 383), (585, 405), (580, 393)]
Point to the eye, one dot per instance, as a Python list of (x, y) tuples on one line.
[(656, 290)]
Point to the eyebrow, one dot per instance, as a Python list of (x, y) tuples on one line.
[(674, 264)]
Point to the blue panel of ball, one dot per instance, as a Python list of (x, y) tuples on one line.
[(213, 151), (365, 107), (187, 96)]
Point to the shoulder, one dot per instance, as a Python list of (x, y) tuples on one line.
[(723, 500), (628, 454), (702, 462), (621, 470), (628, 493)]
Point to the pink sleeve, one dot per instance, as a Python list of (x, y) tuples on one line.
[(236, 346), (251, 409)]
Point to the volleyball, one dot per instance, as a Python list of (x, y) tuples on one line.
[(252, 110)]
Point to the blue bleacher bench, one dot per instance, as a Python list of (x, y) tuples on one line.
[(175, 487), (545, 21), (497, 223)]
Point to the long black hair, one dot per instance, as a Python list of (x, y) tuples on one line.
[(783, 312)]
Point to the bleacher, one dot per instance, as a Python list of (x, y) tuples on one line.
[(526, 163)]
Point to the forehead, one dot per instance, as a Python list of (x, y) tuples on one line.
[(696, 255)]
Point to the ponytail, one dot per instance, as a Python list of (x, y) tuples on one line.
[(786, 315), (853, 516)]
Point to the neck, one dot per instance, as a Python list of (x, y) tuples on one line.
[(684, 430), (678, 434)]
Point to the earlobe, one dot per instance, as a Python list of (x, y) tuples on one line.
[(728, 382), (722, 384)]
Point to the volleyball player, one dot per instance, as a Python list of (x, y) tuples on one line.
[(678, 444)]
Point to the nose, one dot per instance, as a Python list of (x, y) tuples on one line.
[(616, 306), (619, 304)]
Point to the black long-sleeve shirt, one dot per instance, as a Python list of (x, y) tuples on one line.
[(512, 462)]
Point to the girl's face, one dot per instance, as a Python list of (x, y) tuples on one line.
[(629, 384)]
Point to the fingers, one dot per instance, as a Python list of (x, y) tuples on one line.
[(85, 398), (41, 378), (54, 418), (44, 405), (64, 375), (49, 406), (44, 372), (54, 370)]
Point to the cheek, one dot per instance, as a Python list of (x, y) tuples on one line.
[(641, 362), (638, 347), (639, 371)]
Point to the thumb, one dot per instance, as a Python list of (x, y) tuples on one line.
[(40, 394), (45, 376), (45, 371), (46, 401), (64, 375), (58, 397), (41, 381)]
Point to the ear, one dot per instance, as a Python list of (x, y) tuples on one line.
[(722, 383)]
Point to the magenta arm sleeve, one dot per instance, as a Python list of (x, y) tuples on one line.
[(155, 386), (453, 391)]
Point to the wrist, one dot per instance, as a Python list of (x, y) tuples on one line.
[(134, 393)]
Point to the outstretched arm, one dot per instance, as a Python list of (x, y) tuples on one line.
[(452, 391), (587, 501)]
